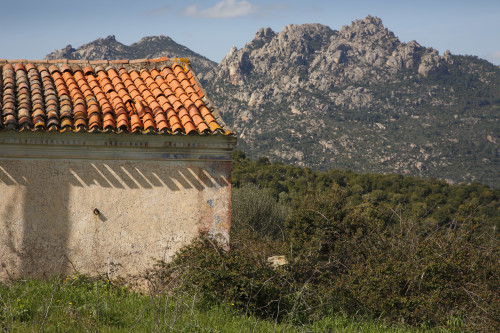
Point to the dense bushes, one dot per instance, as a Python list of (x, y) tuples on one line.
[(420, 252), (354, 259), (370, 260), (237, 277)]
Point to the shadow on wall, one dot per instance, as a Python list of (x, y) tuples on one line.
[(34, 203), (132, 175)]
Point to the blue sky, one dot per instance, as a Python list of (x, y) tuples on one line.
[(31, 29)]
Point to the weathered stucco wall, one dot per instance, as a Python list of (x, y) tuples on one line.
[(105, 216)]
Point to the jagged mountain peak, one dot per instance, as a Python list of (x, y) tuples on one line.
[(370, 22), (265, 33), (154, 39), (297, 43), (159, 37), (310, 51), (66, 51), (370, 27), (307, 28), (101, 48), (110, 38)]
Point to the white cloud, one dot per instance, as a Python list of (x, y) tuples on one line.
[(222, 9)]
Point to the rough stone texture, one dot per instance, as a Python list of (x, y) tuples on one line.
[(106, 216), (431, 64), (314, 58)]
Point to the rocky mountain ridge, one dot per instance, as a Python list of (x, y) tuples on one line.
[(359, 98), (316, 56)]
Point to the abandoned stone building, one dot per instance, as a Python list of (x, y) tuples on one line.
[(107, 166)]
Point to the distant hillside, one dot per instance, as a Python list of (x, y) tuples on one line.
[(148, 47), (360, 99)]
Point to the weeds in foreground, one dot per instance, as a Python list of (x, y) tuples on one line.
[(80, 303)]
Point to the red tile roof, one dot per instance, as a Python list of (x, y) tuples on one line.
[(138, 96)]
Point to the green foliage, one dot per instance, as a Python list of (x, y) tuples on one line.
[(83, 304), (56, 305), (372, 260), (241, 278), (313, 228), (431, 199), (254, 210)]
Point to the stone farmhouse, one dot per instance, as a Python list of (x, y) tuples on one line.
[(106, 166)]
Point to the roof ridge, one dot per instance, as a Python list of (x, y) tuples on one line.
[(166, 60), (133, 64)]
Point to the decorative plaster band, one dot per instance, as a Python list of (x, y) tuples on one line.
[(115, 146)]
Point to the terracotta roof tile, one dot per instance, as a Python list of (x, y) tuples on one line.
[(159, 59), (122, 61), (149, 96), (78, 61), (98, 62), (138, 61)]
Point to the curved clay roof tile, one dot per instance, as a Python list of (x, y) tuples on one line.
[(63, 96)]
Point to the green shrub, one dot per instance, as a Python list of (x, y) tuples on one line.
[(243, 279), (255, 210), (372, 260)]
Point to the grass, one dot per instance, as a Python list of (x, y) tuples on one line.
[(81, 304)]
